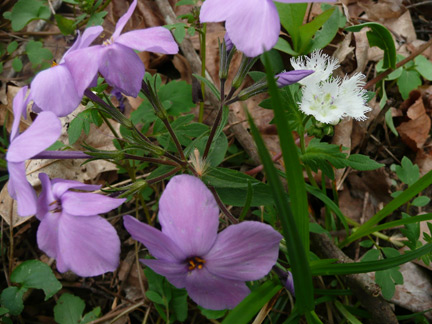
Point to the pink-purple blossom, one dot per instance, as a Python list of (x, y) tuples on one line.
[(72, 232), (55, 89), (41, 134), (253, 25), (116, 60), (191, 254)]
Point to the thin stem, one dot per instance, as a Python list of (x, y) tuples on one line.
[(216, 123), (307, 168), (149, 159), (164, 176), (203, 69), (222, 207), (174, 138)]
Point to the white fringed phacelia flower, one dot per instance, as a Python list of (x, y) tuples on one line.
[(328, 98)]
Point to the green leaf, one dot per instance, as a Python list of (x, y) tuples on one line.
[(155, 297), (251, 305), (421, 201), (407, 172), (403, 198), (366, 243), (424, 67), (68, 309), (284, 46), (363, 162), (387, 280), (209, 84), (179, 304), (12, 299), (66, 26), (26, 10), (177, 97), (308, 30), (350, 317), (408, 81), (12, 47), (212, 314), (17, 64), (371, 255), (379, 36), (37, 53), (1, 67), (74, 130), (36, 274), (185, 2), (291, 17), (96, 19), (91, 316)]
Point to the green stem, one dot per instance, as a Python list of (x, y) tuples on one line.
[(308, 170), (203, 69)]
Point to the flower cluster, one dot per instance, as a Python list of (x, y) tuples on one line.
[(191, 254), (328, 98)]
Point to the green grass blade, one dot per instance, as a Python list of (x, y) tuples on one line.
[(297, 254), (403, 198), (369, 266), (252, 304), (294, 171), (348, 316), (210, 85)]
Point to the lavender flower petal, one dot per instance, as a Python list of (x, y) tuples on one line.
[(85, 203), (124, 19), (155, 39), (47, 234), (46, 197), (20, 189), (123, 69), (89, 246), (257, 31), (19, 109), (44, 131), (60, 186), (213, 292), (220, 10), (287, 78), (83, 65), (175, 272), (54, 90), (158, 244), (245, 251), (189, 214)]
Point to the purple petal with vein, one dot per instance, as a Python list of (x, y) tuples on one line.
[(122, 67), (124, 19), (155, 39), (44, 131), (21, 190), (245, 251), (85, 203), (290, 77), (214, 292), (189, 214), (19, 109), (158, 244), (89, 246)]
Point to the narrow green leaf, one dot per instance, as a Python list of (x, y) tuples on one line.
[(296, 251), (66, 26), (348, 316), (368, 266), (294, 171), (252, 304), (208, 84), (379, 36), (403, 198), (308, 30), (291, 17), (247, 203)]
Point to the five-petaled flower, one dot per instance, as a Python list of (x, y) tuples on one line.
[(116, 60), (191, 254), (253, 25), (41, 134), (72, 232)]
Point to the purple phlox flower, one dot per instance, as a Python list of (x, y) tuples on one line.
[(253, 25), (116, 60), (191, 254), (290, 77), (55, 89), (120, 98), (228, 42), (41, 134), (72, 232)]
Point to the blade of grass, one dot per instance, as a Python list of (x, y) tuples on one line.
[(293, 169), (297, 254), (403, 198), (368, 266)]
